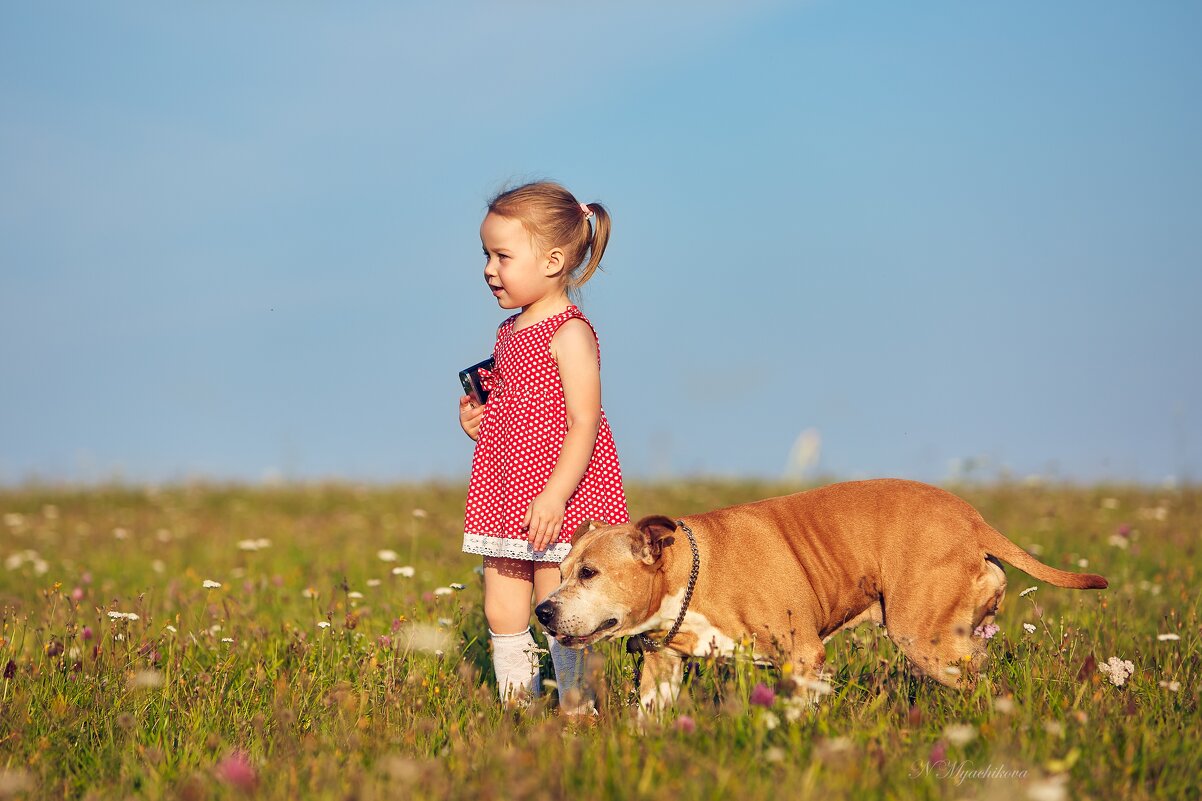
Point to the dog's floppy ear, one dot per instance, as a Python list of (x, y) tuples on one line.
[(586, 527), (656, 533)]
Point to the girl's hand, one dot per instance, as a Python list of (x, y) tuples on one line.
[(544, 520), (470, 413)]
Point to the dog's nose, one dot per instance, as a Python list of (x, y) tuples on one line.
[(544, 612)]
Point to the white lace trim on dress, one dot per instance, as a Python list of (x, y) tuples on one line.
[(513, 548)]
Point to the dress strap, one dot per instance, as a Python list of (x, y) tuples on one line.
[(571, 312)]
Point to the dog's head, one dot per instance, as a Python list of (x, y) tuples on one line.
[(607, 578)]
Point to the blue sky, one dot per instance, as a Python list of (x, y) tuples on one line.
[(239, 241)]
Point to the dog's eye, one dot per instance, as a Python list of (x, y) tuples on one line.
[(586, 573)]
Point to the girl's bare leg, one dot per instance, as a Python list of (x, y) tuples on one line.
[(507, 587)]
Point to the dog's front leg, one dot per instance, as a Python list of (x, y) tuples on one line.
[(659, 684)]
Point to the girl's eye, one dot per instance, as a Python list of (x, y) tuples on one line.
[(587, 573)]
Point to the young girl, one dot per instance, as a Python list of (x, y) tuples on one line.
[(545, 458)]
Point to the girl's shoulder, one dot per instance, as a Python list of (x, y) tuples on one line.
[(574, 334)]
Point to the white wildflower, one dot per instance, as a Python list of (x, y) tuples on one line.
[(386, 555), (424, 637), (1054, 728), (227, 639), (458, 586), (254, 545), (445, 621), (309, 592), (833, 748), (123, 615), (1154, 513), (1117, 670), (794, 706), (952, 670), (373, 582), (158, 566), (815, 686), (406, 571), (212, 585), (31, 557), (1029, 628), (171, 628), (1027, 592), (443, 591), (959, 734), (1053, 788), (419, 513), (323, 624), (1082, 563), (1171, 686), (1004, 704), (1118, 541), (1170, 637), (146, 679), (771, 721), (354, 595)]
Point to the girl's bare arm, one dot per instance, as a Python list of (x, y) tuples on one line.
[(575, 350)]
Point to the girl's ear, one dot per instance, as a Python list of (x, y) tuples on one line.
[(555, 263)]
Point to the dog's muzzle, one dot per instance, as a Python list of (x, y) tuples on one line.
[(545, 612)]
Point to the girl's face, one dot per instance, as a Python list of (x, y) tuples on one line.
[(516, 272)]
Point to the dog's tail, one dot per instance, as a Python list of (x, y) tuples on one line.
[(996, 543)]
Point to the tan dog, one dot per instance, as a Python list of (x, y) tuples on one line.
[(790, 572)]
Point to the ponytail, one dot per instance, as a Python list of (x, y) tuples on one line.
[(598, 239)]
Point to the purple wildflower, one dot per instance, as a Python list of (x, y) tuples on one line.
[(762, 695)]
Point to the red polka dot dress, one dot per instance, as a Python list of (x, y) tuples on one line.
[(521, 436)]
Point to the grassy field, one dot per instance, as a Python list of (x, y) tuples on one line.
[(313, 642)]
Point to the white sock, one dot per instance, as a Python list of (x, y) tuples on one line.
[(515, 660), (574, 696)]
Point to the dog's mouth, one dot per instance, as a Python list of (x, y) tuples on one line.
[(576, 642)]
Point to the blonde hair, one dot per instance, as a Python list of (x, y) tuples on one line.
[(555, 219)]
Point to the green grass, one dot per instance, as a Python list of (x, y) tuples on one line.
[(97, 707)]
